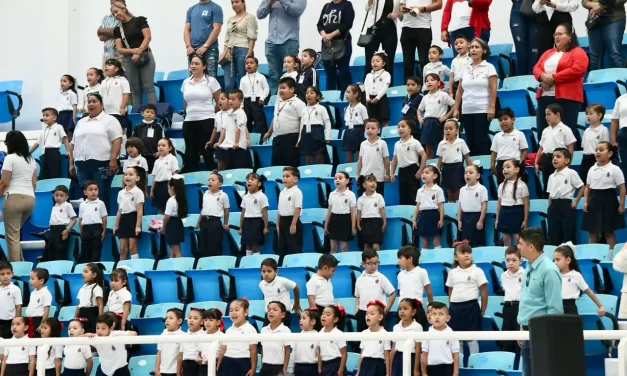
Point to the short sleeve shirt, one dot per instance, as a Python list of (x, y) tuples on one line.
[(476, 85)]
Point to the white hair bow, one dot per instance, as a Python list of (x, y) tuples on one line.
[(178, 177), (569, 245)]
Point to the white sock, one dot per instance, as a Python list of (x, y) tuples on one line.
[(135, 256), (249, 252), (473, 347), (438, 247)]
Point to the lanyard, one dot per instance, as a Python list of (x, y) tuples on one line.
[(252, 82), (308, 124), (46, 134)]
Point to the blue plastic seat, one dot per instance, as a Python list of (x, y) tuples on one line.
[(108, 266), (245, 283), (388, 257), (66, 314), (297, 274), (352, 362), (171, 90), (165, 285), (518, 93), (256, 312), (396, 234), (585, 305), (152, 323), (598, 252), (57, 267), (22, 268), (501, 360), (44, 201), (142, 365), (301, 259), (500, 58), (437, 276), (10, 101), (73, 283), (351, 258), (495, 304), (332, 95), (615, 277), (441, 255), (605, 85), (206, 285), (206, 305), (391, 272), (254, 261)]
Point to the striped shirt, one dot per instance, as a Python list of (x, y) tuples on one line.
[(110, 51)]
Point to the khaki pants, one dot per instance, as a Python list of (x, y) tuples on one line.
[(17, 209)]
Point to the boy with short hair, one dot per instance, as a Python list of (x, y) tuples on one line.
[(288, 225), (166, 362), (374, 157), (511, 280), (10, 300), (508, 144), (51, 137), (371, 285), (234, 137), (319, 286), (40, 299), (92, 221), (277, 288), (149, 132), (308, 75), (255, 91), (462, 47), (440, 357), (413, 281)]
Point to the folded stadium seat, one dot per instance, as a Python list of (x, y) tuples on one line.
[(387, 257), (396, 234), (271, 187), (350, 307), (21, 268), (66, 314), (152, 323), (352, 363), (71, 285), (487, 178), (299, 275), (310, 184), (254, 261), (538, 214), (56, 267), (390, 136), (217, 263), (518, 93), (171, 88), (500, 58), (257, 313), (231, 177), (166, 284), (494, 311), (142, 365), (612, 279), (262, 154), (352, 258), (399, 211), (441, 255), (206, 285), (313, 229), (496, 360), (605, 86), (231, 191), (596, 350), (581, 236), (206, 305), (358, 69), (398, 70), (575, 164), (437, 273), (600, 252), (449, 230), (488, 226), (40, 218), (108, 267), (391, 272), (396, 95), (301, 259), (447, 58), (585, 305), (11, 94), (245, 283)]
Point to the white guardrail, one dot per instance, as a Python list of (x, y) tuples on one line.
[(409, 339)]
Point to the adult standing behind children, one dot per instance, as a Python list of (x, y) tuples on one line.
[(202, 28), (239, 43)]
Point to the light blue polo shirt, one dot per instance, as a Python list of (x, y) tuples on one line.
[(541, 290), (202, 16)]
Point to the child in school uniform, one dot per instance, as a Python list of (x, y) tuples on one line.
[(315, 128), (234, 137), (602, 211), (94, 79), (255, 90), (77, 358), (435, 66), (221, 119), (275, 356), (437, 107), (289, 226), (239, 358), (556, 135), (465, 281), (370, 219), (562, 203), (512, 207), (452, 152), (17, 361), (277, 289), (308, 75), (411, 103), (40, 300), (319, 286), (508, 144), (428, 216), (51, 137), (214, 327), (291, 65), (128, 220), (333, 354), (120, 298), (134, 150), (113, 359), (413, 282), (90, 296), (149, 132), (355, 117), (305, 353), (254, 215), (408, 311), (376, 86), (440, 357), (370, 286), (67, 103), (462, 47), (411, 158), (115, 91), (165, 166), (374, 157), (340, 223), (214, 217), (473, 205), (594, 134), (92, 221), (511, 281), (168, 353), (188, 352), (10, 300), (175, 211), (52, 354), (374, 359), (62, 221)]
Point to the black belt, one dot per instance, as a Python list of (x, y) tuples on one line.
[(209, 217), (525, 327), (49, 148), (512, 303)]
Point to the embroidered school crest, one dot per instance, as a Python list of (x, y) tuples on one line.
[(132, 198), (569, 279), (79, 349), (377, 148), (312, 346), (375, 204), (377, 280), (599, 136), (255, 201), (608, 175), (476, 194), (346, 201), (519, 280), (380, 342), (217, 198), (408, 148), (55, 133), (565, 181), (95, 209), (289, 198), (23, 348), (469, 278), (380, 79), (61, 210), (38, 301), (433, 197), (457, 149), (514, 139), (278, 291), (113, 348)]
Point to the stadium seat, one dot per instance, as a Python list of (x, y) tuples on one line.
[(207, 285), (500, 58), (152, 323), (615, 283), (95, 365), (396, 234), (598, 252), (44, 201), (206, 305), (72, 283), (108, 266), (437, 276), (495, 305), (165, 284), (142, 365), (387, 257), (302, 259), (500, 360), (440, 255), (66, 314), (245, 283), (585, 305), (57, 267), (605, 86), (518, 93), (351, 258), (11, 95), (391, 272), (254, 261)]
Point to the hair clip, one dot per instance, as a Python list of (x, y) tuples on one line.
[(375, 302), (125, 267), (455, 244), (341, 309), (244, 298), (80, 319), (418, 302), (314, 308), (178, 177), (570, 245)]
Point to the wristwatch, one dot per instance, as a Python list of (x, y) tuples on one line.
[(205, 46)]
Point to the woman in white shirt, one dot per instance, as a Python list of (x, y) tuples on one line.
[(380, 22), (19, 177), (201, 93), (416, 32)]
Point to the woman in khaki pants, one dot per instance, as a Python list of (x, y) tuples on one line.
[(19, 177)]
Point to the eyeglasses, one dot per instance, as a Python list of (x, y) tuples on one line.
[(373, 263), (555, 35)]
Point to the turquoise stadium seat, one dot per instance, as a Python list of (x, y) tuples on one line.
[(388, 257), (206, 305), (142, 365), (171, 89), (518, 93), (430, 256), (303, 259), (11, 95), (352, 362), (254, 261), (500, 360), (22, 268), (499, 57)]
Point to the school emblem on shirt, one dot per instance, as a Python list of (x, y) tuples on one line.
[(380, 79), (599, 136), (569, 279), (38, 301), (375, 205), (132, 198), (380, 342), (346, 201), (608, 175), (468, 278), (312, 346), (255, 201), (60, 210), (377, 148), (408, 148), (433, 197), (95, 209), (457, 149), (477, 194), (289, 198), (519, 280), (79, 349), (514, 139), (55, 133), (566, 181), (113, 348), (23, 348), (217, 198), (278, 291), (377, 280)]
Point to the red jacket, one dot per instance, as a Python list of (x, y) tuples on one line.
[(478, 16), (569, 75)]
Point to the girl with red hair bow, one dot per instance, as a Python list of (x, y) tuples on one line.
[(332, 353), (214, 326), (410, 312), (375, 355)]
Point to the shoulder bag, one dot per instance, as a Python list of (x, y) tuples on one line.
[(336, 50), (227, 55), (365, 39), (143, 58)]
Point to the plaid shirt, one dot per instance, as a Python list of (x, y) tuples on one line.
[(110, 22)]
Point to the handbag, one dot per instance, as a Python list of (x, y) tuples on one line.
[(144, 58), (526, 8), (365, 39), (227, 55), (336, 50)]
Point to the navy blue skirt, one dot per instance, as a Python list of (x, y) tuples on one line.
[(66, 119), (381, 110), (353, 138), (330, 367), (453, 175), (174, 231), (372, 367), (465, 316), (252, 231), (371, 231), (510, 219), (428, 223), (602, 215), (73, 372), (161, 195), (432, 132), (221, 154), (128, 223), (312, 142), (475, 237), (234, 366), (341, 227), (306, 369), (397, 363)]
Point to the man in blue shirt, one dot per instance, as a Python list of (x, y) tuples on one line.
[(283, 32), (541, 289), (202, 28)]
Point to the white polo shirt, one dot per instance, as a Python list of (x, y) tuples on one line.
[(375, 349), (289, 200), (62, 214), (88, 295), (355, 116), (429, 198), (190, 350), (199, 98), (342, 202), (51, 354), (277, 291), (238, 350), (164, 168), (372, 155), (116, 300), (420, 20), (221, 119), (51, 136), (457, 65), (330, 350), (412, 328), (506, 192), (573, 285), (287, 116), (169, 352), (509, 145), (91, 212), (213, 204), (112, 357), (452, 152), (112, 90), (19, 355), (172, 207), (435, 105), (512, 284), (592, 136), (562, 184), (369, 287), (204, 347), (254, 86), (605, 177), (274, 352), (22, 172), (322, 289), (315, 115), (465, 283), (305, 352), (254, 204), (370, 206), (407, 152), (66, 100), (233, 121), (476, 85), (39, 300), (620, 111), (10, 296), (559, 136), (440, 351), (139, 161), (411, 283), (471, 198), (93, 137), (438, 68), (377, 83), (76, 356), (128, 199)]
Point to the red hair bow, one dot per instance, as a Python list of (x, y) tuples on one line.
[(221, 326), (244, 298), (418, 303), (314, 308), (81, 319), (375, 302), (455, 244), (341, 309), (31, 327)]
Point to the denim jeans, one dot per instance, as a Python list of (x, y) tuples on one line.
[(97, 171), (525, 358), (140, 79), (524, 32), (211, 59), (275, 53), (236, 69), (607, 37), (338, 75)]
